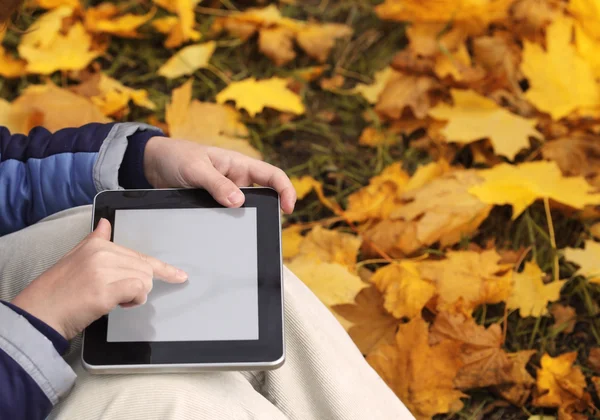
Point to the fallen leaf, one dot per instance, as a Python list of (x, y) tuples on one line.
[(317, 40), (440, 210), (587, 13), (405, 91), (588, 260), (374, 137), (458, 66), (277, 44), (576, 156), (207, 123), (372, 326), (45, 29), (405, 292), (58, 108), (371, 92), (254, 95), (530, 295), (331, 282), (10, 67), (291, 239), (467, 279), (332, 83), (182, 30), (421, 375), (53, 4), (549, 90), (518, 391), (477, 13), (380, 197), (499, 55), (484, 361), (594, 358), (17, 119), (474, 117), (72, 51), (111, 96), (559, 383), (564, 318), (331, 246), (103, 19), (521, 185), (429, 39), (305, 185), (188, 60)]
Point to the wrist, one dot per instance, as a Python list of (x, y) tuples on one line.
[(151, 153), (26, 304)]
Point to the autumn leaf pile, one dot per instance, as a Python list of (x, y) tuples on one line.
[(446, 155)]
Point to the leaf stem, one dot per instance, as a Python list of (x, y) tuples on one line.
[(552, 237)]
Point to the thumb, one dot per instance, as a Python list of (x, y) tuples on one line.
[(102, 231), (223, 189)]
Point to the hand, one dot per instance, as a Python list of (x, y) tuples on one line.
[(180, 163), (90, 281)]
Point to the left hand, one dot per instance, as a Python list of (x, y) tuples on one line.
[(179, 163)]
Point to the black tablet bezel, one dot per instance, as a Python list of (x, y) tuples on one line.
[(268, 348)]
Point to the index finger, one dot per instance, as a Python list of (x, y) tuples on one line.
[(265, 174), (160, 269)]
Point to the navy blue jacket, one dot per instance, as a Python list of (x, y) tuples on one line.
[(40, 174)]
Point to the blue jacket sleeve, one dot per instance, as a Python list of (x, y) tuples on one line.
[(33, 376), (43, 173)]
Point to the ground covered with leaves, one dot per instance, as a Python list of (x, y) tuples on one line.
[(445, 154)]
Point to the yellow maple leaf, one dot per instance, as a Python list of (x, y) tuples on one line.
[(439, 210), (587, 259), (331, 282), (549, 90), (165, 24), (254, 95), (182, 30), (53, 4), (331, 246), (206, 123), (560, 384), (304, 185), (46, 28), (188, 60), (467, 279), (372, 91), (372, 325), (477, 13), (587, 13), (474, 117), (422, 376), (111, 96), (405, 292), (529, 293), (58, 108), (291, 239), (72, 51), (103, 19), (453, 64), (588, 48), (520, 185), (10, 67)]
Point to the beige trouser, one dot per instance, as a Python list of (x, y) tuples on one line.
[(324, 378)]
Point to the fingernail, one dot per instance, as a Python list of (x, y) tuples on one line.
[(235, 198), (181, 275)]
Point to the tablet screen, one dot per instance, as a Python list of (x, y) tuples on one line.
[(218, 249)]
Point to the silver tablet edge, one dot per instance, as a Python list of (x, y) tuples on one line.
[(182, 368)]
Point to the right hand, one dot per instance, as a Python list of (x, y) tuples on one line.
[(90, 281)]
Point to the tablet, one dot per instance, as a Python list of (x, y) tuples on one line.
[(227, 316)]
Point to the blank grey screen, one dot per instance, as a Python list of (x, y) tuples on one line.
[(218, 250)]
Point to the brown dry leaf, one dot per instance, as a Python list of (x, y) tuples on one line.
[(104, 18), (560, 384), (499, 55), (467, 279), (206, 123), (317, 40), (372, 326), (485, 363), (332, 83), (576, 156), (429, 39), (529, 293), (564, 318), (405, 91), (58, 108), (533, 15), (440, 210), (594, 359), (405, 292), (421, 375), (519, 390), (458, 66), (277, 44)]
